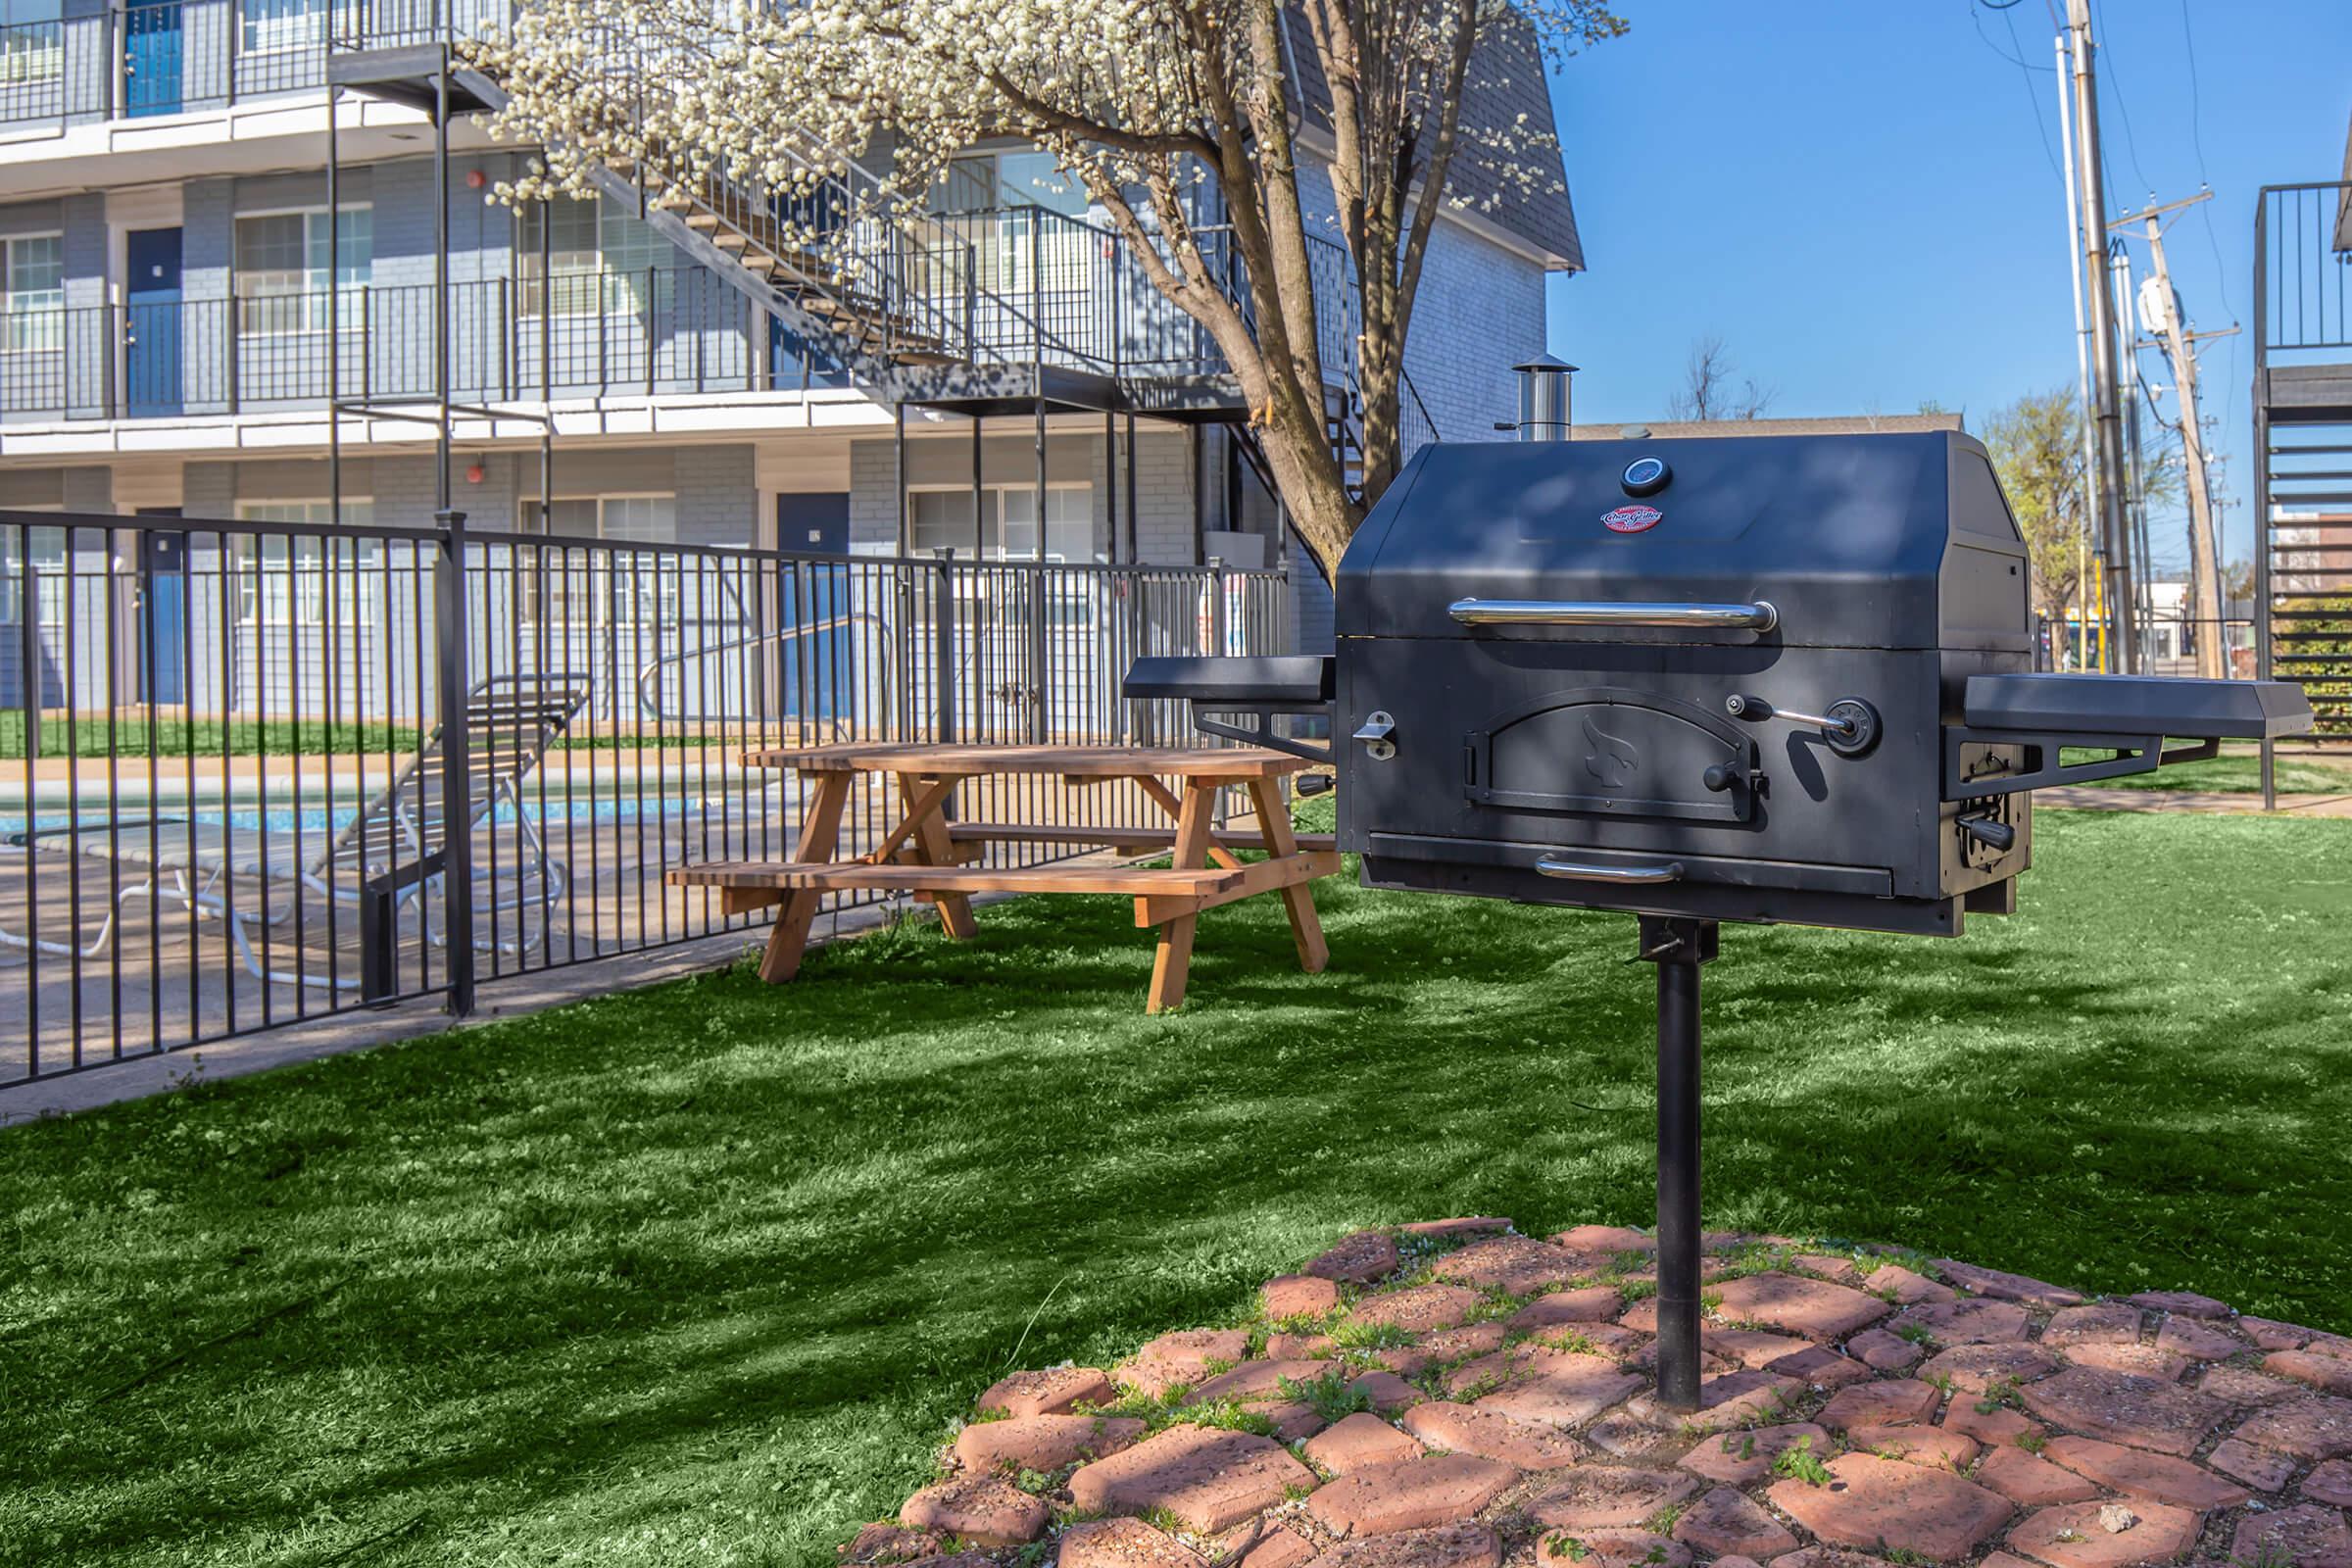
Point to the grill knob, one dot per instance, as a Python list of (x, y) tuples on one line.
[(1720, 777)]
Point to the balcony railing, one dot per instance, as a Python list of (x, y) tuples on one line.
[(660, 331)]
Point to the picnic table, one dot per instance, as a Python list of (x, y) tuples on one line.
[(932, 857)]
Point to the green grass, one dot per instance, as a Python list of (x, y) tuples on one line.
[(703, 1273), (2238, 773)]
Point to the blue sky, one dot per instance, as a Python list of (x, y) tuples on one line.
[(1855, 195)]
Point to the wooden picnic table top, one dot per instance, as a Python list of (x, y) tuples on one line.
[(1068, 762)]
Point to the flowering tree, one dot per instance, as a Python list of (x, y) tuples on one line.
[(1146, 103)]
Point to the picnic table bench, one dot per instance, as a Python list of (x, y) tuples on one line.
[(932, 857)]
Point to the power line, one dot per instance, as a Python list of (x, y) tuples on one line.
[(2130, 145), (2032, 97)]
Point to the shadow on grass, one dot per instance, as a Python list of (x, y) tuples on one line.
[(703, 1273)]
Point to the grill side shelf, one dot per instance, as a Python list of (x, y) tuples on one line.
[(2043, 768)]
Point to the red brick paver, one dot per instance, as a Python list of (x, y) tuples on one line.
[(2141, 1474), (1743, 1458), (1519, 1264), (1935, 1446), (2314, 1428), (982, 1509), (2329, 1483), (1609, 1497), (1410, 1495), (2125, 1407), (1298, 1295), (1043, 1441), (1726, 1521), (1891, 1403), (2307, 1537), (1358, 1441), (1967, 1322), (1810, 1308), (1419, 1310), (1175, 1360), (1448, 1546), (1493, 1435), (2030, 1481), (2082, 1535), (1123, 1544), (1977, 1367), (2258, 1468), (1885, 1505), (1359, 1259), (2007, 1287), (1609, 1548), (1050, 1393), (1205, 1478)]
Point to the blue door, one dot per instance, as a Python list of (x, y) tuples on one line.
[(151, 328), (163, 613), (151, 57), (817, 521)]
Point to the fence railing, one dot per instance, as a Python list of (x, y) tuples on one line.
[(255, 773), (659, 330)]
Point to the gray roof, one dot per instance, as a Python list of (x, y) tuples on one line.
[(1506, 79)]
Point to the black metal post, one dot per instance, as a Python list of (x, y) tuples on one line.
[(334, 314), (441, 487), (450, 653), (1678, 946)]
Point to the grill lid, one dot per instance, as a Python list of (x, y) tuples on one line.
[(1822, 541)]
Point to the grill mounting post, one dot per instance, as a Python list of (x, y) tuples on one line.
[(1678, 946)]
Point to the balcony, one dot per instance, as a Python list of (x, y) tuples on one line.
[(168, 57), (677, 330)]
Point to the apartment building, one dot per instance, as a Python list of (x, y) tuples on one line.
[(169, 265)]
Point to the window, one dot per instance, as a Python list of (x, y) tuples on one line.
[(281, 267), (46, 548), (290, 580), (984, 200), (599, 254), (275, 27), (32, 294), (31, 45), (619, 586), (942, 518)]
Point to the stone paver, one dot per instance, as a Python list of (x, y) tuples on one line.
[(1597, 1496), (1409, 1494), (1884, 1505), (1417, 1309), (1359, 1259), (2141, 1474), (2111, 1321), (982, 1509), (2315, 1426), (2196, 1338), (1464, 1546), (1744, 1457), (1967, 1322), (1935, 1446), (2305, 1535), (1205, 1478), (1186, 1357), (2009, 1287), (2258, 1468), (2100, 1433), (2145, 1360), (1894, 1402), (2329, 1483), (2125, 1407), (1298, 1295), (2031, 1482), (1493, 1435), (1973, 1368), (1123, 1544), (1611, 1548), (1724, 1522), (2330, 1374), (1810, 1308), (1357, 1440), (1043, 1441), (2078, 1535), (1048, 1392), (1519, 1264)]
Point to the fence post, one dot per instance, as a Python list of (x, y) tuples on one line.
[(450, 653), (1039, 681), (943, 643), (1216, 605)]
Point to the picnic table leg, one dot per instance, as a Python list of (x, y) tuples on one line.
[(820, 828), (1297, 901), (1173, 962), (932, 843)]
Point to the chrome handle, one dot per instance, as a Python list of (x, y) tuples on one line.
[(1850, 726), (1585, 871), (1758, 617)]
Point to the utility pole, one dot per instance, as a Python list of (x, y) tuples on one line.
[(2083, 401), (2160, 314), (2114, 531)]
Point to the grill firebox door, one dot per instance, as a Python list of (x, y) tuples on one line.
[(1614, 750)]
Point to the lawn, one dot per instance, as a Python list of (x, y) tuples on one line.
[(701, 1274), (2237, 772)]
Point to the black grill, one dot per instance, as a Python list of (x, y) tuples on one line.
[(1757, 679)]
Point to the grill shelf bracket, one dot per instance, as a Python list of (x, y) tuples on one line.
[(2044, 767)]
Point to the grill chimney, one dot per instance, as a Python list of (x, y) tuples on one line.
[(1544, 398)]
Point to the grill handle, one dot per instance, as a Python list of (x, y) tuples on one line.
[(1585, 871), (1758, 617)]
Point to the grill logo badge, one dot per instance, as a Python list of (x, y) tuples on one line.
[(1612, 758), (1631, 520)]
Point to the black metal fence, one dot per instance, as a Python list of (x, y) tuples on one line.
[(254, 773)]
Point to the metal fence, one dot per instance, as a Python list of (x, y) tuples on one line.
[(255, 773)]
